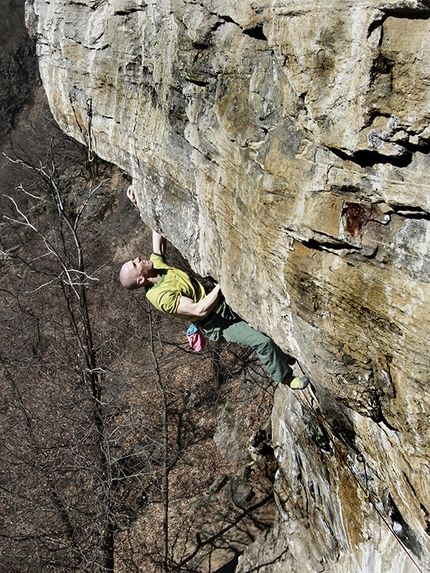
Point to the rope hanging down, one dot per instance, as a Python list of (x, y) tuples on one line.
[(365, 488), (90, 136)]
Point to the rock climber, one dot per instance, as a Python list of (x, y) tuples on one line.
[(175, 292)]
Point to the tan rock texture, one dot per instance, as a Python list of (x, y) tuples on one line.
[(283, 147)]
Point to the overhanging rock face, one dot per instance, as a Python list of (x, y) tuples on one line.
[(282, 146)]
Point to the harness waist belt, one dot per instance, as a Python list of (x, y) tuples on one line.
[(210, 316)]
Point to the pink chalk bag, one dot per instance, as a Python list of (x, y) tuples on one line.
[(195, 338)]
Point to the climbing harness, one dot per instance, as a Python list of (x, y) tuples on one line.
[(365, 487), (90, 137)]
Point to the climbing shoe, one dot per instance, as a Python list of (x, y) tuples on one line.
[(298, 383)]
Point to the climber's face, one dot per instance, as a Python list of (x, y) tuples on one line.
[(135, 272)]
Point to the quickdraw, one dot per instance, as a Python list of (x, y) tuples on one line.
[(91, 155), (360, 458)]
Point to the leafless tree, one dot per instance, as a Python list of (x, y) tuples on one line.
[(68, 465), (102, 399)]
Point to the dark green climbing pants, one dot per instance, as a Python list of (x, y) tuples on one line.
[(225, 325)]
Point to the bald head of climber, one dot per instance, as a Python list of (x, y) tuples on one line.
[(137, 273)]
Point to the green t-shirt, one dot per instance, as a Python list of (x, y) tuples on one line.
[(174, 283)]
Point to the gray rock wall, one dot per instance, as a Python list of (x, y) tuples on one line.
[(282, 146)]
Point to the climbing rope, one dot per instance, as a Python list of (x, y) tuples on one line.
[(365, 488), (90, 137)]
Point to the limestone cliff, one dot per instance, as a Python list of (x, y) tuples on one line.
[(282, 146)]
